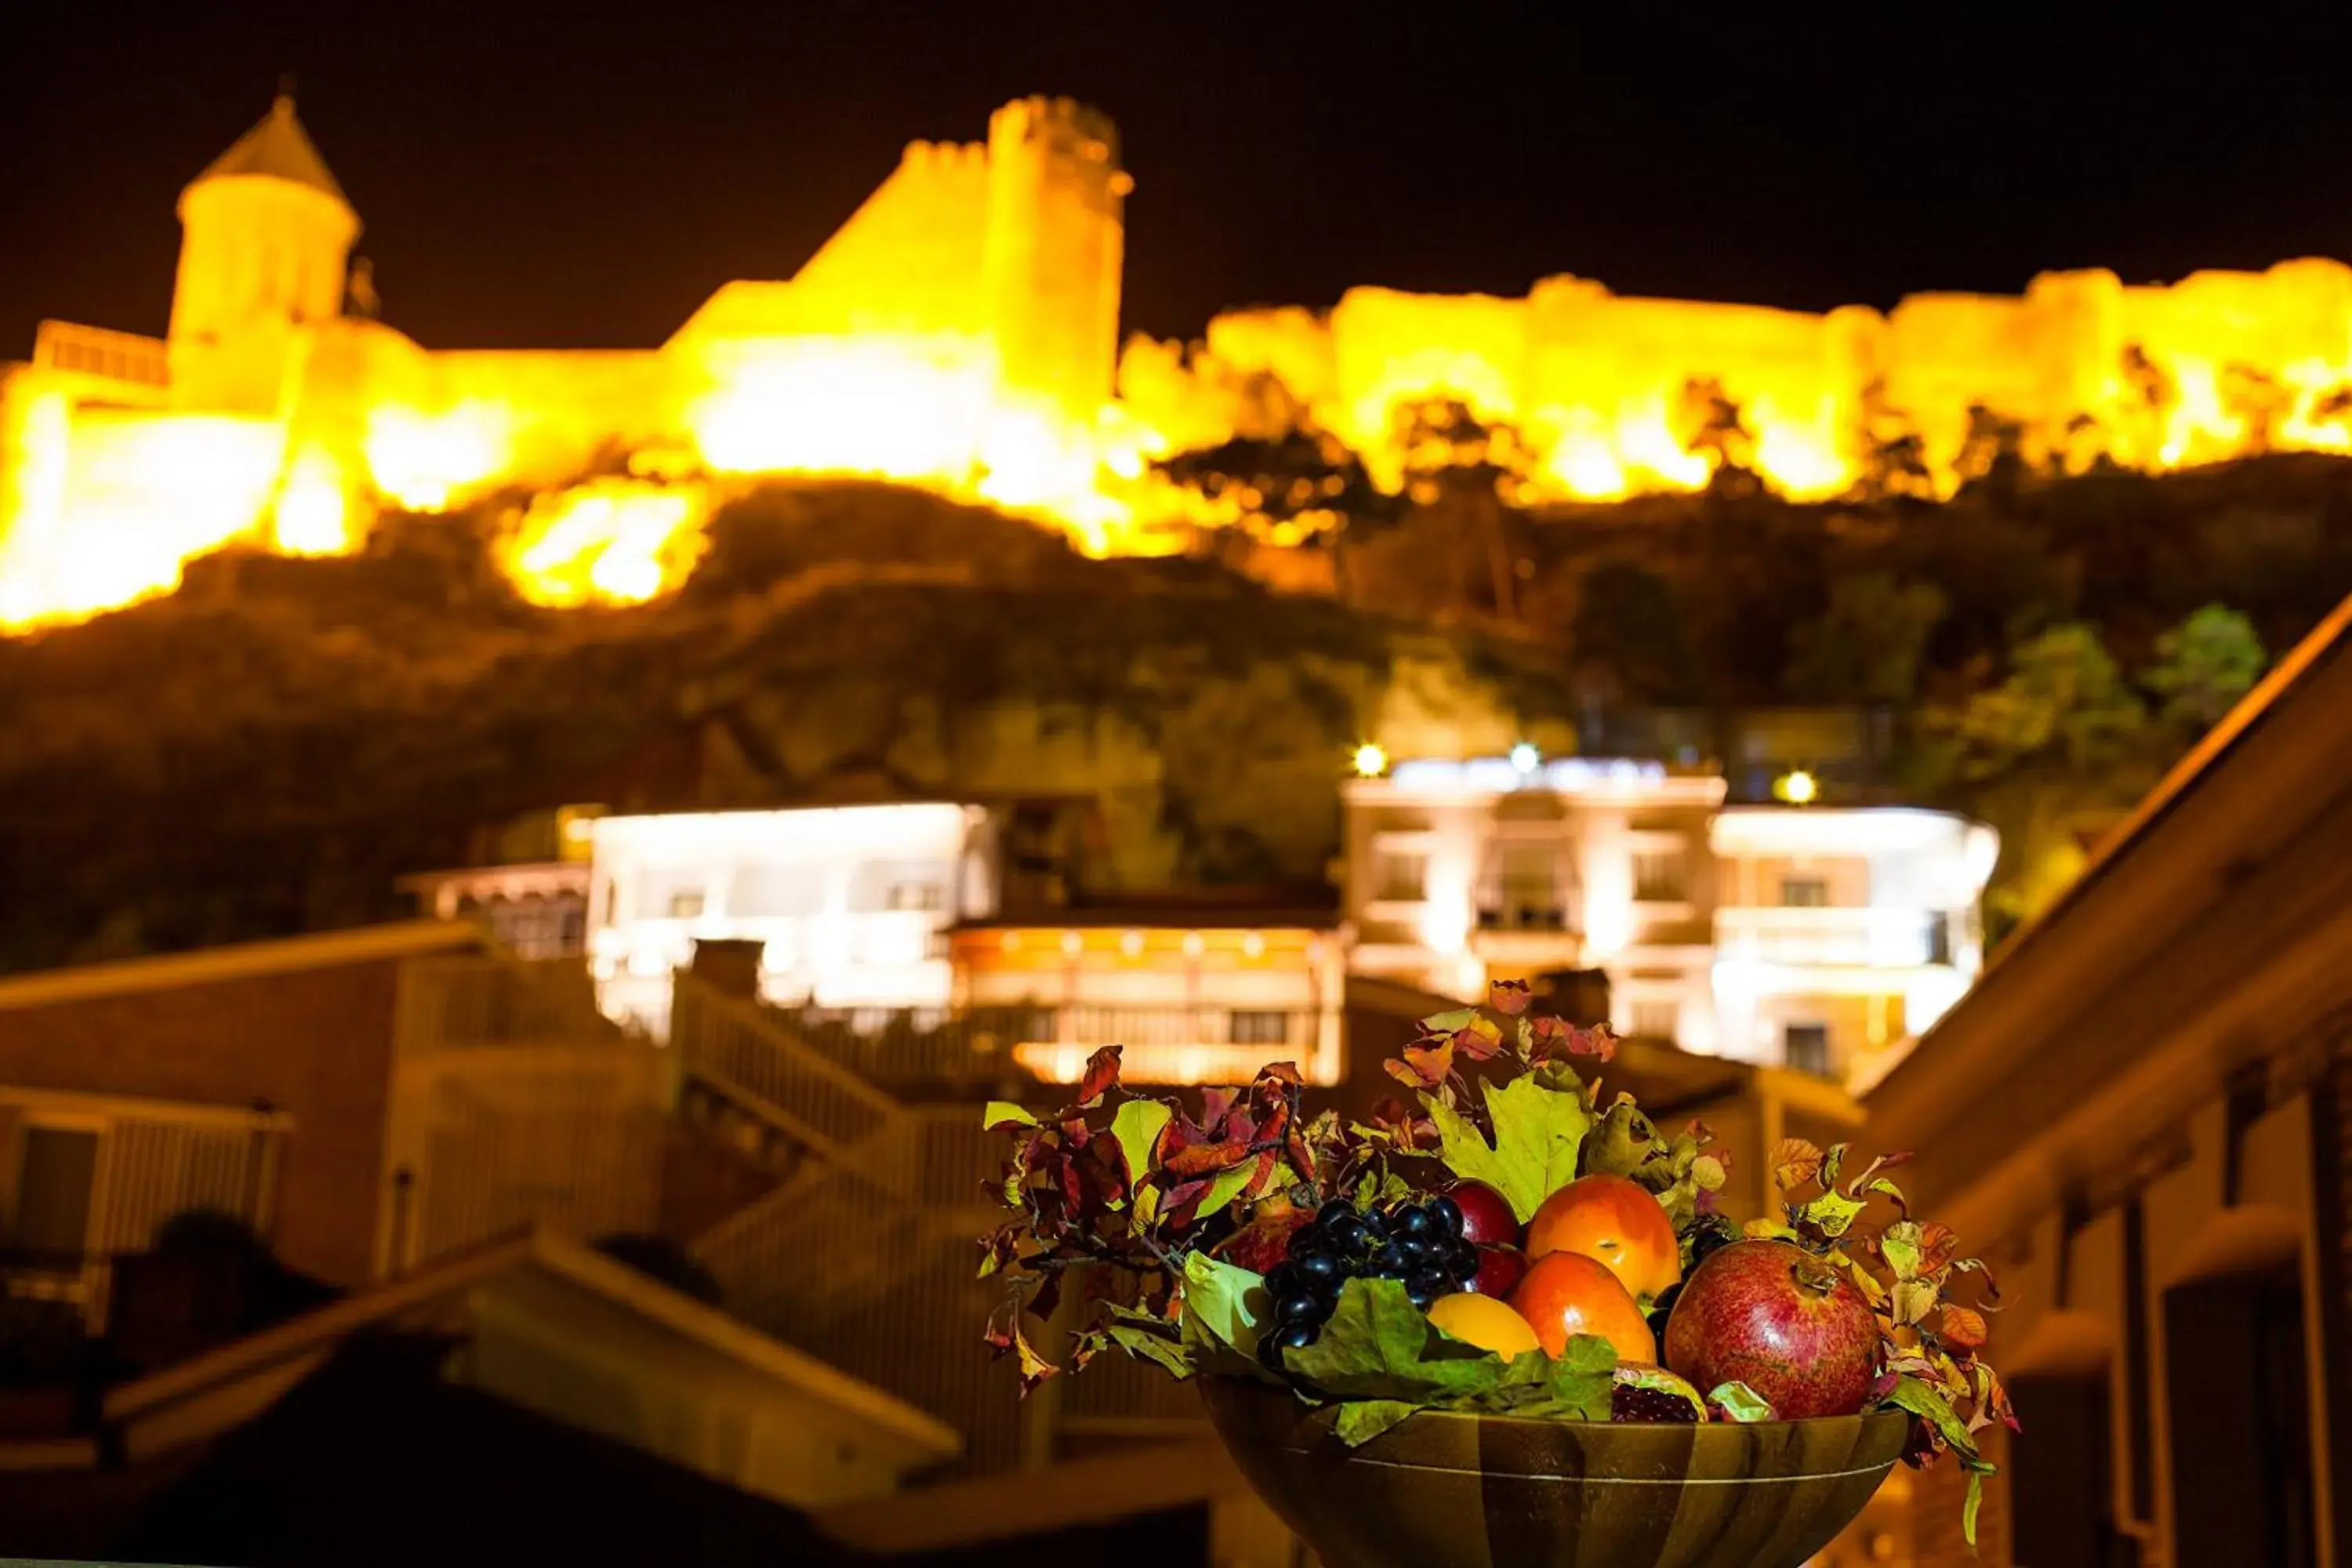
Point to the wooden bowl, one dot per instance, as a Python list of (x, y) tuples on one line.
[(1442, 1490)]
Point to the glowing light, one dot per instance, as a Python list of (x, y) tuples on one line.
[(314, 508), (613, 541), (1797, 788), (426, 462), (1371, 761), (1525, 759)]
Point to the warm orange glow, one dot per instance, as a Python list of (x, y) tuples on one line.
[(960, 332), (613, 541)]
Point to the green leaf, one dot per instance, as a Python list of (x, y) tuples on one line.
[(1152, 1347), (1377, 1345), (1361, 1420), (1005, 1113), (1926, 1402), (1899, 1245), (1969, 1507), (1137, 1127), (1741, 1403), (1447, 1023), (1226, 1188), (1229, 1304), (1538, 1132), (1832, 1214)]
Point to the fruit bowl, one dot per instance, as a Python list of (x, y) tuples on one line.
[(1448, 1490)]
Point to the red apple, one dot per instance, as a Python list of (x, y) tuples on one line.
[(1486, 1216), (1500, 1268), (1787, 1324)]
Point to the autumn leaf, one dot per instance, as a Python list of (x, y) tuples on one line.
[(1510, 998), (1964, 1327), (1101, 1075), (1795, 1163)]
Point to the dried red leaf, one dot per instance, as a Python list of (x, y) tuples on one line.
[(1510, 998), (1101, 1075)]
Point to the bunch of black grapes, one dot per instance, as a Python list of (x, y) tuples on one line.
[(1417, 1240), (1705, 1235)]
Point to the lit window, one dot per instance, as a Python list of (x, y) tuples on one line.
[(1805, 893), (1403, 878), (1261, 1028), (1655, 1018), (915, 896), (1806, 1048), (685, 905), (1658, 878)]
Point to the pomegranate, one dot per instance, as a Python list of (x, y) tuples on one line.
[(1787, 1324)]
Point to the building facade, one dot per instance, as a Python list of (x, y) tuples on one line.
[(1816, 937), (2139, 1118), (850, 905)]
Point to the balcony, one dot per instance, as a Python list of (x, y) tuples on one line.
[(1835, 937), (1164, 1044), (97, 1173)]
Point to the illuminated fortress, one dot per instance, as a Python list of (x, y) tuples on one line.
[(961, 333)]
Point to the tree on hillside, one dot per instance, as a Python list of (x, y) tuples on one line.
[(1992, 453), (1299, 485), (1629, 632), (1709, 425), (1468, 471), (2050, 756), (1892, 459), (1866, 646), (2202, 667), (2258, 401)]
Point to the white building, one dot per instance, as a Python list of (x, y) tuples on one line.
[(852, 903), (1812, 937)]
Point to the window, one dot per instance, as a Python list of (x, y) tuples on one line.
[(1402, 878), (1261, 1028), (1658, 878), (915, 896), (2239, 1398), (1804, 892), (686, 904), (1654, 1018), (50, 1221), (771, 891), (1805, 1048)]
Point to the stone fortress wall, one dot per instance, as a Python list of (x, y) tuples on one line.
[(960, 331)]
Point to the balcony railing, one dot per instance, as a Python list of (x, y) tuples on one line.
[(153, 1160), (1860, 938), (465, 1003), (980, 1046)]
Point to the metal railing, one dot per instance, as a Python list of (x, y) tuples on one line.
[(754, 1056), (97, 350), (516, 1101), (462, 1002), (1879, 938), (152, 1160), (991, 1046)]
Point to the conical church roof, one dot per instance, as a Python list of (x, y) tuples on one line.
[(279, 147)]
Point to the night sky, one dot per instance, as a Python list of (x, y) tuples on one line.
[(584, 176)]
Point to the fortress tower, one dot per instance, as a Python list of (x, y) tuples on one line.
[(1051, 253), (266, 238)]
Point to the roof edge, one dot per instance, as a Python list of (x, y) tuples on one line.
[(209, 966)]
